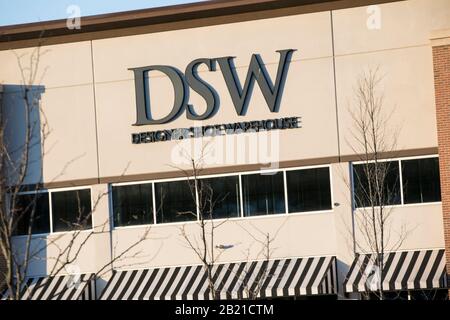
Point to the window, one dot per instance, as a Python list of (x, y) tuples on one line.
[(223, 194), (174, 202), (421, 180), (365, 177), (71, 210), (263, 194), (132, 204), (230, 196), (308, 190), (37, 204)]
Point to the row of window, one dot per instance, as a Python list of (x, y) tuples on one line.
[(54, 211), (402, 181), (219, 197), (244, 195)]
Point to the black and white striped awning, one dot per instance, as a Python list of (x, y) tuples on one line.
[(68, 287), (402, 270), (269, 278)]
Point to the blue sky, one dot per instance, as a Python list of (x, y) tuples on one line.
[(25, 11)]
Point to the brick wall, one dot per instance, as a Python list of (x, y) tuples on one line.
[(441, 62)]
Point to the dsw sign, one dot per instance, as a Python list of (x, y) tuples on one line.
[(240, 96)]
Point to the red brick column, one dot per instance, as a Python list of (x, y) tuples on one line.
[(441, 62)]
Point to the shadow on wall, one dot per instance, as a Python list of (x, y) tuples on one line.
[(21, 117), (341, 275), (21, 113), (100, 286)]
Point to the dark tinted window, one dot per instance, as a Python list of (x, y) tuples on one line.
[(221, 195), (421, 180), (71, 210), (365, 177), (308, 190), (174, 202), (36, 205), (132, 204), (263, 194)]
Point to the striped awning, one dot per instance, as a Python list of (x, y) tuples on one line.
[(402, 270), (268, 278), (67, 287)]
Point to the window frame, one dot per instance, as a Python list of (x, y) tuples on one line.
[(401, 175), (331, 188), (241, 199), (399, 161), (50, 191), (284, 195), (111, 202), (41, 234), (154, 204), (240, 208)]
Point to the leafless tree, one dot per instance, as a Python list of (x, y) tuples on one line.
[(204, 243), (202, 195), (264, 252), (375, 184), (16, 160)]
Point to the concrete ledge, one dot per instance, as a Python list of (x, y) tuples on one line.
[(440, 37), (233, 168)]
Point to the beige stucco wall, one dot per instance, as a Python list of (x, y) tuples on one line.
[(292, 237), (308, 91), (67, 252), (401, 51), (63, 75), (400, 48), (411, 227)]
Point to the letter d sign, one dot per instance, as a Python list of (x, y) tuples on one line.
[(143, 112)]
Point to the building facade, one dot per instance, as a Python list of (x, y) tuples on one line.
[(263, 96)]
